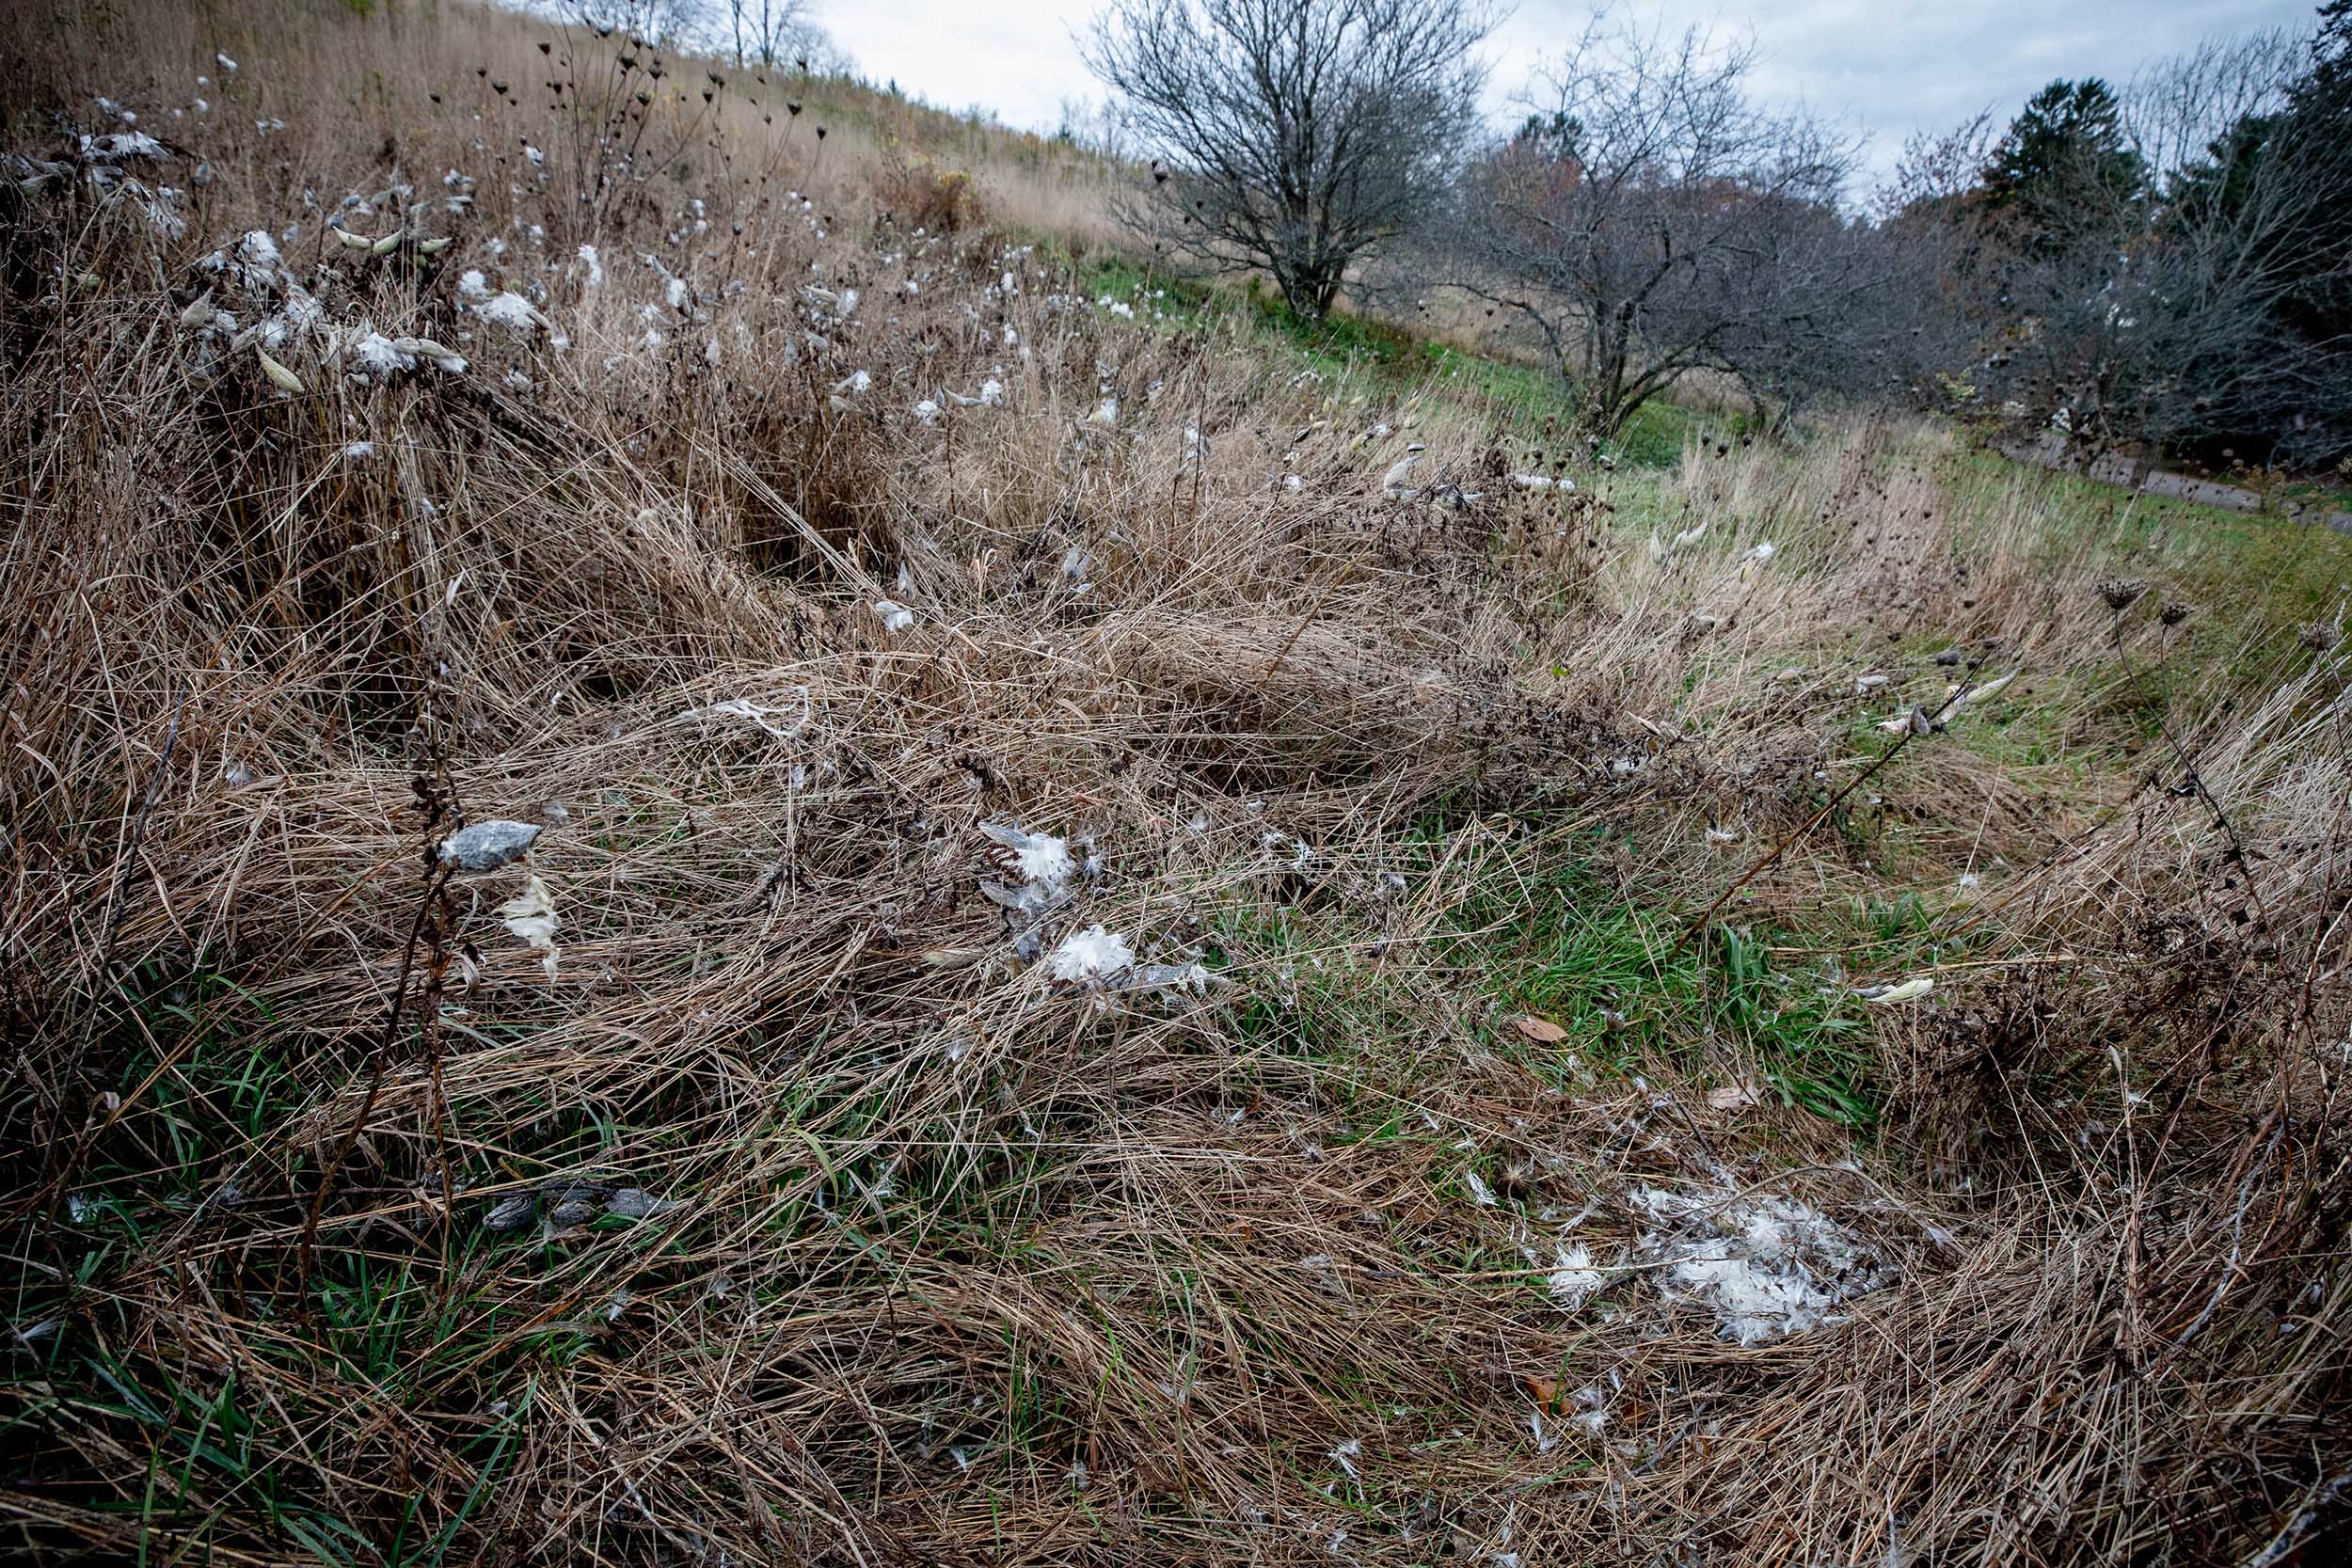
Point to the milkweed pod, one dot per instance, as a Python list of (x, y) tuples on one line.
[(278, 374), (385, 245), (423, 348), (198, 313), (1989, 690), (433, 247), (354, 242)]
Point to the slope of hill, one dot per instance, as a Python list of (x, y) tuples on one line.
[(698, 873)]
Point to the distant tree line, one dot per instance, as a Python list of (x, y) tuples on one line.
[(763, 33), (2167, 264)]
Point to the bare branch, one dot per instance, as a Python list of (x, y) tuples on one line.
[(1295, 136)]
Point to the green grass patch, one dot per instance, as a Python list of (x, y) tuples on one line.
[(1526, 400), (2250, 580), (1562, 944), (1620, 979)]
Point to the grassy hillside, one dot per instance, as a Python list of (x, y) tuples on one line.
[(1107, 972)]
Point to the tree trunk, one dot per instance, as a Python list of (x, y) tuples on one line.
[(1303, 292)]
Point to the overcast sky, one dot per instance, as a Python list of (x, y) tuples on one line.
[(1890, 66)]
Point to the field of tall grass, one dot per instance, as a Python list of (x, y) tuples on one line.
[(716, 856)]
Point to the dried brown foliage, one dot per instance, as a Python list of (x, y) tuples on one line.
[(966, 1264)]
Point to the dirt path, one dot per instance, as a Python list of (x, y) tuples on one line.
[(2113, 468)]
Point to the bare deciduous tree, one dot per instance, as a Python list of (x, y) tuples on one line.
[(1936, 169), (1648, 220), (765, 31), (2165, 315), (1099, 128), (1293, 135)]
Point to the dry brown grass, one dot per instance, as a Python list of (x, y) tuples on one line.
[(966, 1264)]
